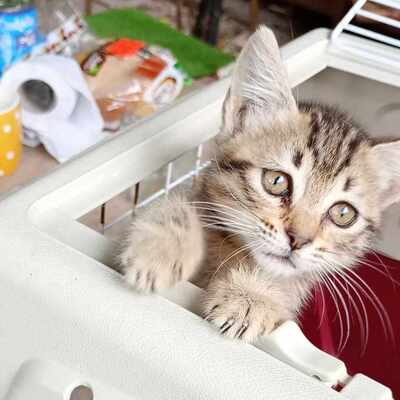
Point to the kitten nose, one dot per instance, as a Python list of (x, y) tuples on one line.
[(296, 242)]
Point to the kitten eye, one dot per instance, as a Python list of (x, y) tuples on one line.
[(342, 214), (276, 183)]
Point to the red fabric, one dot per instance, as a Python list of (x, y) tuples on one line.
[(381, 358)]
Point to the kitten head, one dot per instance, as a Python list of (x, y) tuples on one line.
[(302, 185)]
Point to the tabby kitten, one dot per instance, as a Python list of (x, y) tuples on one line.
[(295, 194)]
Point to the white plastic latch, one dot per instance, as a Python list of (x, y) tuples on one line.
[(360, 387), (288, 344)]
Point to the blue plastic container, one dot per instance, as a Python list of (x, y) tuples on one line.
[(19, 33)]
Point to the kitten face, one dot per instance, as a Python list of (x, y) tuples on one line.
[(301, 186), (306, 188)]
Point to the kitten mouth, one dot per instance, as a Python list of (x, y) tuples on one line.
[(281, 259)]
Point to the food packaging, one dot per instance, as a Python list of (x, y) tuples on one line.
[(131, 80)]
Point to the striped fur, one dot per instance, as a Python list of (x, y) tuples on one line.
[(259, 255)]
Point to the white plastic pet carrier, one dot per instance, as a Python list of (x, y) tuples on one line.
[(70, 328)]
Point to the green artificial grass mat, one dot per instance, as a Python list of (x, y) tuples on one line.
[(197, 58)]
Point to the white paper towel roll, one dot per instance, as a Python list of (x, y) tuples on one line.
[(63, 113)]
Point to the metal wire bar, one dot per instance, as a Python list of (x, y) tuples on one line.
[(373, 35), (389, 3), (169, 177), (162, 192), (366, 51), (347, 18), (379, 18), (198, 160)]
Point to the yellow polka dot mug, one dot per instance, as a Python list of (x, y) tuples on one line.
[(10, 131)]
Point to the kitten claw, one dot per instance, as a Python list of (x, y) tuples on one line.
[(242, 330), (146, 279), (227, 325), (177, 271), (242, 318), (207, 317)]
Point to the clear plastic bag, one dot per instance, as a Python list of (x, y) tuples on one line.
[(131, 80)]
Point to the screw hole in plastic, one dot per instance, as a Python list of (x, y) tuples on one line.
[(81, 392)]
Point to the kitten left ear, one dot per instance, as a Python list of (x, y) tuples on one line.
[(259, 87), (388, 155)]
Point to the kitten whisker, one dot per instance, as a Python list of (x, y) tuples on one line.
[(318, 277), (227, 238), (346, 335), (365, 327), (218, 227), (366, 290), (227, 211), (247, 222), (377, 304), (362, 261), (323, 300), (241, 249), (235, 197), (223, 206), (233, 216), (386, 273), (226, 222), (334, 299), (364, 323)]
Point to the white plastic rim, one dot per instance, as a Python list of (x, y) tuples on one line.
[(9, 99), (66, 306)]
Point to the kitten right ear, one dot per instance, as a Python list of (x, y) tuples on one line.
[(259, 86), (388, 157)]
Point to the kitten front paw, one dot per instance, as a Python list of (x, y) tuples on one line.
[(164, 245), (241, 317), (144, 276)]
